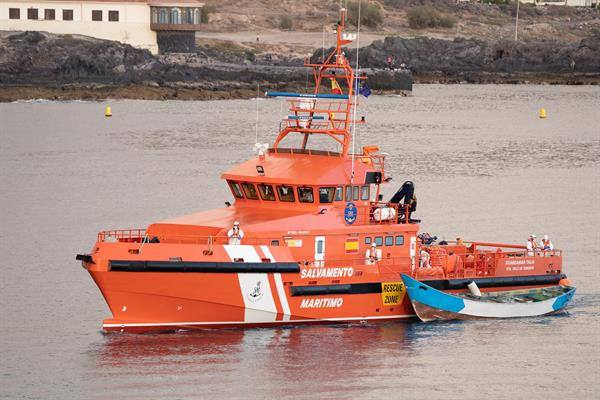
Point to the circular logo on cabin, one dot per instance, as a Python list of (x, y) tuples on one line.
[(256, 294), (350, 213)]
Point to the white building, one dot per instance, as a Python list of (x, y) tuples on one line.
[(135, 22)]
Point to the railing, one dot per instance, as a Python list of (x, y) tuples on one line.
[(383, 213), (122, 235), (459, 261), (318, 115), (141, 236)]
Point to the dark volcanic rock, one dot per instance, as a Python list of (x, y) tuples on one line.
[(41, 58), (456, 57)]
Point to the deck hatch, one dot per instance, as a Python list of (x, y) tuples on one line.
[(202, 266)]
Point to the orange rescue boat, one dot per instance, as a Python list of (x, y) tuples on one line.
[(307, 240)]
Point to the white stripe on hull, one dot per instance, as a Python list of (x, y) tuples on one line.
[(278, 286), (301, 321), (259, 305)]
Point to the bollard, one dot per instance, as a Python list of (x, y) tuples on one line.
[(107, 112), (542, 113)]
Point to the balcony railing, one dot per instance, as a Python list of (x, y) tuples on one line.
[(176, 18)]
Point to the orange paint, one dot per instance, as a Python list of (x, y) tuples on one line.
[(182, 274)]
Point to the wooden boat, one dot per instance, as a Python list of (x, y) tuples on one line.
[(432, 304)]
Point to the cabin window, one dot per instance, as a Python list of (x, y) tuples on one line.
[(368, 240), (326, 194), (379, 240), (389, 240), (250, 191), (14, 13), (364, 192), (67, 15), (400, 240), (348, 193), (236, 190), (339, 193), (32, 13), (305, 195), (96, 15), (355, 192), (113, 16), (266, 192), (49, 14), (274, 242), (286, 193)]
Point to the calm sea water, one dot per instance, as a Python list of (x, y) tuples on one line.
[(485, 167)]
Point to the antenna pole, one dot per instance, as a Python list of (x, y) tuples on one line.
[(355, 83)]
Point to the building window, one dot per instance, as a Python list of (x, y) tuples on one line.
[(32, 13), (175, 16), (196, 16), (49, 14), (113, 16), (188, 16), (96, 15), (14, 13), (67, 15), (163, 16)]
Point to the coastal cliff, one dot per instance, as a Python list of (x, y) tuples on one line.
[(43, 65)]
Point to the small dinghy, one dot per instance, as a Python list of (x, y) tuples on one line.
[(431, 304)]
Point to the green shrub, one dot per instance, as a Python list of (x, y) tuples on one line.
[(206, 11), (250, 56), (370, 14), (428, 17), (286, 23)]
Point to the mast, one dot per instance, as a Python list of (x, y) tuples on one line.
[(327, 111)]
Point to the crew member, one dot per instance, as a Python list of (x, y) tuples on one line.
[(424, 259), (532, 245), (235, 234), (372, 255), (547, 244)]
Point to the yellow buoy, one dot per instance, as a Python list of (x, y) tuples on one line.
[(542, 113), (107, 112)]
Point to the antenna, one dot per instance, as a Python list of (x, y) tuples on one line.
[(354, 86)]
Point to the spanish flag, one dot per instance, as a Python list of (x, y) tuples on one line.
[(335, 87)]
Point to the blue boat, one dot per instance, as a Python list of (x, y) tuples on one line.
[(431, 304)]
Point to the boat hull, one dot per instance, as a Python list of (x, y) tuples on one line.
[(167, 301), (431, 304), (142, 302)]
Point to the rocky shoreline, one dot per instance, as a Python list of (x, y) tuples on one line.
[(37, 65)]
